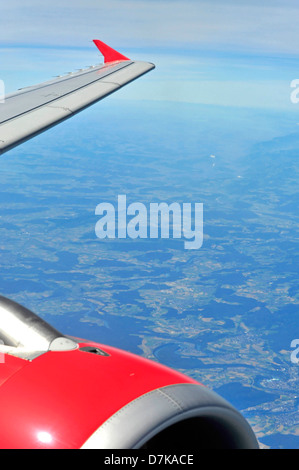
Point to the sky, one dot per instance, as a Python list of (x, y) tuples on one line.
[(226, 52), (253, 26)]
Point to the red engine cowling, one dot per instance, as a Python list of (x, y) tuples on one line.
[(61, 392)]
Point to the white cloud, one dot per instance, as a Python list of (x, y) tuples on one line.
[(269, 26)]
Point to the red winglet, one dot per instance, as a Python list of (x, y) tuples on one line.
[(110, 55)]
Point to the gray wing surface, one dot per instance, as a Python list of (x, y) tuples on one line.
[(32, 110)]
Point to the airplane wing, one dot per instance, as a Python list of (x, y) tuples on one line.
[(34, 109)]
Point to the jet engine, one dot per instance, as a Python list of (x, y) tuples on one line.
[(58, 391)]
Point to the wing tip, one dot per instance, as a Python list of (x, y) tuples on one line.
[(110, 55)]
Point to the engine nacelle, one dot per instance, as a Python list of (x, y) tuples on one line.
[(62, 392)]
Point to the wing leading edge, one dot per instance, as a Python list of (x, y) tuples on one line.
[(34, 109)]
